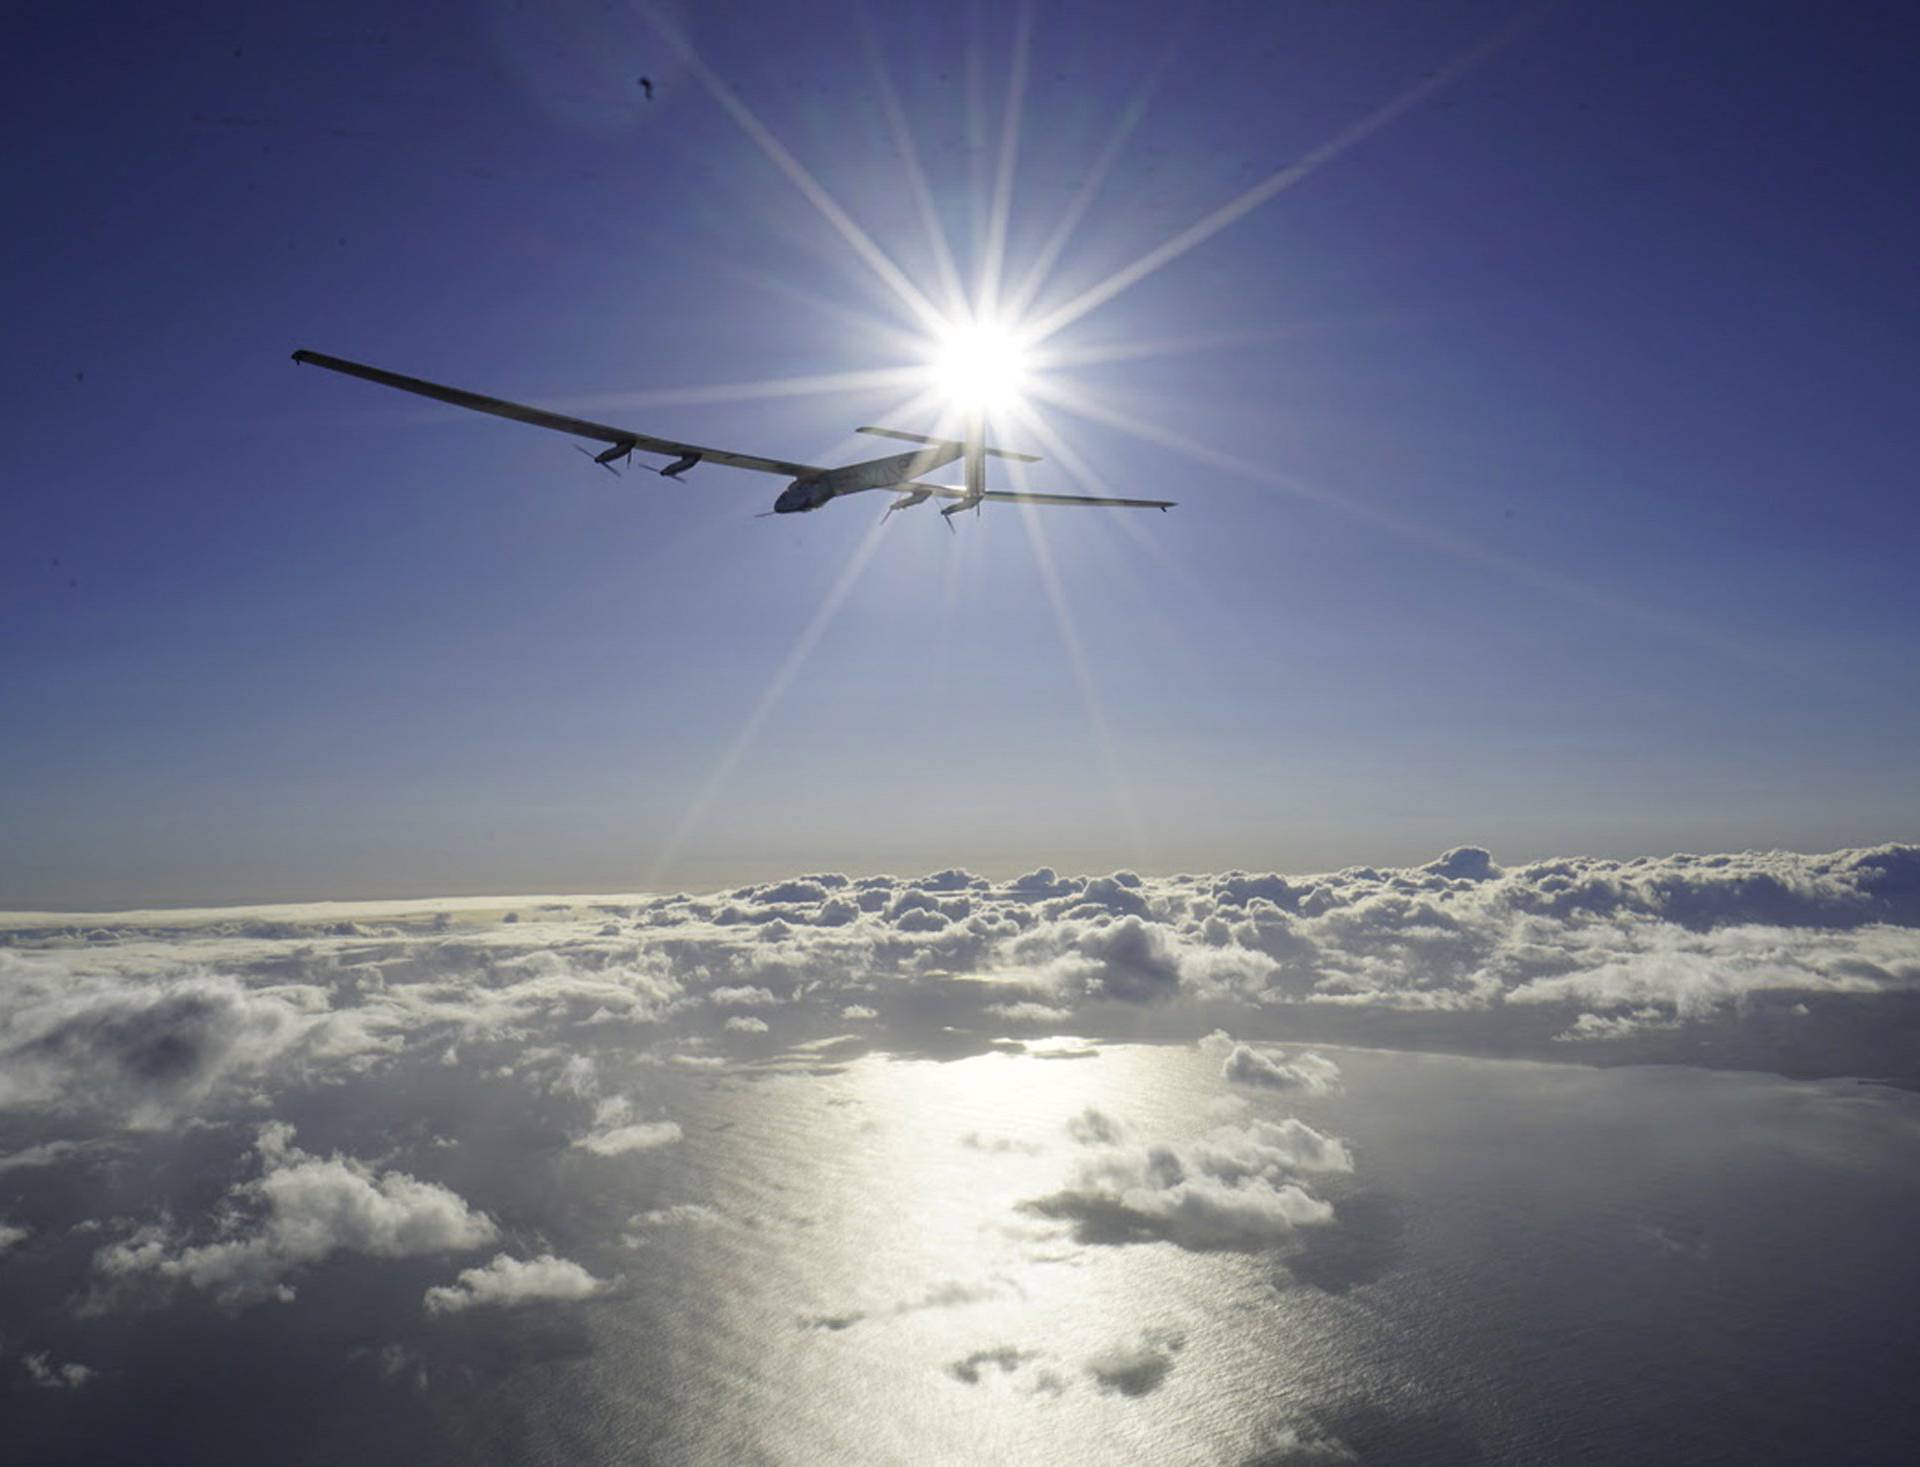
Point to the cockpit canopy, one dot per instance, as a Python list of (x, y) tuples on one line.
[(802, 495)]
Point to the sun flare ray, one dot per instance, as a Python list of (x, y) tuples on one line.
[(1131, 116), (1279, 181), (857, 239), (999, 215), (765, 389), (1035, 430), (897, 124), (1082, 404)]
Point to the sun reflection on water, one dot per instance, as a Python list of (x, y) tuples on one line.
[(843, 1264), (880, 1291)]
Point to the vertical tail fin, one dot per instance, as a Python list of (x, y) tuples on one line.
[(976, 456)]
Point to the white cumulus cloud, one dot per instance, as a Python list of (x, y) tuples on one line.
[(615, 1132), (510, 1282), (1237, 1187), (301, 1210), (1268, 1069), (742, 996)]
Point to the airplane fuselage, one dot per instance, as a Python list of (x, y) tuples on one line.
[(875, 473)]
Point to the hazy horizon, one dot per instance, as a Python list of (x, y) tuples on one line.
[(1006, 874)]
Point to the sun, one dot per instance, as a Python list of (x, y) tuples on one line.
[(979, 366)]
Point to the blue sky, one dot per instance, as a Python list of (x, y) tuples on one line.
[(1544, 458)]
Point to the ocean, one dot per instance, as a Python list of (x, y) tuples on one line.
[(887, 1260)]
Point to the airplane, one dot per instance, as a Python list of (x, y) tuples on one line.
[(812, 486)]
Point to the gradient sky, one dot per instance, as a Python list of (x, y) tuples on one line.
[(1544, 458)]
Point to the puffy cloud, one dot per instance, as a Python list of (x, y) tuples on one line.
[(1269, 1149), (616, 1133), (855, 1012), (800, 889), (1693, 975), (641, 1136), (741, 996), (1242, 1064), (1137, 1367), (147, 1051), (12, 1234), (1235, 1188), (1043, 882), (145, 1026), (1136, 961), (579, 1076), (953, 879), (1309, 1071), (1615, 1026), (1026, 1011), (510, 1283), (1119, 895), (48, 1153), (301, 1210), (745, 1024), (694, 1215), (43, 1373), (1463, 863)]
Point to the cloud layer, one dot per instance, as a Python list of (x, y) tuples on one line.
[(1805, 963)]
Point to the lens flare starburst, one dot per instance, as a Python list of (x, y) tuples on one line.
[(979, 366), (981, 350)]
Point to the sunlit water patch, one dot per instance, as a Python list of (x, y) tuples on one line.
[(1527, 1262)]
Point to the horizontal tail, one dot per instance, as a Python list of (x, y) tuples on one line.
[(953, 443)]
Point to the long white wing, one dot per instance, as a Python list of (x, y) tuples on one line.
[(1006, 496), (559, 422)]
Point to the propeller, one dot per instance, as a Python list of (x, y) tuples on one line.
[(597, 459), (951, 510)]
